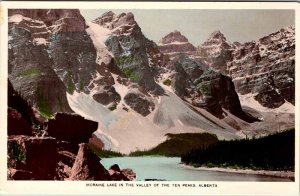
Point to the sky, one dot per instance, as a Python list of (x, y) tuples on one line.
[(197, 25)]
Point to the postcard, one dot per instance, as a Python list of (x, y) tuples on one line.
[(146, 98)]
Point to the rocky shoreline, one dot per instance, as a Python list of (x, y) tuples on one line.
[(289, 175)]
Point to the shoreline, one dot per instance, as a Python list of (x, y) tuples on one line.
[(280, 174)]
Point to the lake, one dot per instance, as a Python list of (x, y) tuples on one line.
[(166, 168)]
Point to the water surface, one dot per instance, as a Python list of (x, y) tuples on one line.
[(165, 168)]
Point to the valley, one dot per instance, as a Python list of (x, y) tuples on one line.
[(135, 95)]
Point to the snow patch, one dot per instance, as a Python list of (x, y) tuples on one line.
[(87, 107), (99, 35), (248, 100)]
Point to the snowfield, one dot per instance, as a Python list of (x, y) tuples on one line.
[(129, 131), (99, 35), (249, 101)]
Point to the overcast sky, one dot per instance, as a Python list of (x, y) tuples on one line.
[(197, 25)]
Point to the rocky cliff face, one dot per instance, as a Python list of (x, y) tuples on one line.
[(49, 48), (194, 78), (264, 68), (219, 94)]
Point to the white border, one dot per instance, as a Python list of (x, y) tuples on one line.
[(79, 187)]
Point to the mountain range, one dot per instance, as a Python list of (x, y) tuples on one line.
[(107, 71)]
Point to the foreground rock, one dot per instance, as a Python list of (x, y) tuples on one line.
[(124, 174), (34, 157), (71, 127), (87, 166), (16, 124)]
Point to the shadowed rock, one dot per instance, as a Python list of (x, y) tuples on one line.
[(87, 166), (36, 156), (71, 127), (139, 103), (16, 124), (123, 175)]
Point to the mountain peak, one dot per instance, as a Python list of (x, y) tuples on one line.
[(217, 35), (109, 13), (174, 36), (112, 21), (175, 43)]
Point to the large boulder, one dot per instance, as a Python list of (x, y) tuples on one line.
[(96, 143), (121, 174), (16, 124), (71, 127), (87, 166), (31, 157)]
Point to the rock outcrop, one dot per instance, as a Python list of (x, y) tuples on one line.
[(71, 127), (121, 174), (219, 93), (16, 124), (139, 102), (107, 95), (35, 157), (87, 166)]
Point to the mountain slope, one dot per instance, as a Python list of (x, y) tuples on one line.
[(264, 68)]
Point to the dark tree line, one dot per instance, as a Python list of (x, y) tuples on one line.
[(273, 152)]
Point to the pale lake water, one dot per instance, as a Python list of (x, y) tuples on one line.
[(165, 168)]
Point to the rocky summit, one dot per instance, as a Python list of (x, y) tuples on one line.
[(175, 43), (216, 50)]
